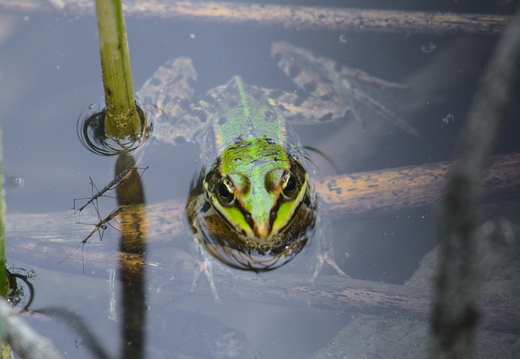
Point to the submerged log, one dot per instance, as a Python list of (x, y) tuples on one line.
[(286, 17), (377, 192), (295, 291), (348, 196)]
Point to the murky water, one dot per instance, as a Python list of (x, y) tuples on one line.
[(50, 73)]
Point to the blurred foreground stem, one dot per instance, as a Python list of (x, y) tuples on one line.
[(455, 311), (121, 116)]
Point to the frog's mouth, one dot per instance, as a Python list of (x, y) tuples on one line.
[(256, 262), (235, 249)]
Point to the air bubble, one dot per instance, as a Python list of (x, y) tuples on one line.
[(428, 48), (18, 182), (449, 118)]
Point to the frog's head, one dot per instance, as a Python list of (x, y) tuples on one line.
[(262, 207)]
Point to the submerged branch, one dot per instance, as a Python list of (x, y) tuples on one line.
[(292, 290), (377, 192), (353, 196), (288, 17)]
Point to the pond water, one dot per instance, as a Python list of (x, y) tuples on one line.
[(50, 73)]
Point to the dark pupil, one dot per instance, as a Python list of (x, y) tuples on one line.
[(291, 184), (223, 191)]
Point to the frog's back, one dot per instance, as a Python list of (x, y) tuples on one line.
[(244, 112)]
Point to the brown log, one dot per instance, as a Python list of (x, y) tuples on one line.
[(288, 17), (348, 196), (378, 192), (328, 292)]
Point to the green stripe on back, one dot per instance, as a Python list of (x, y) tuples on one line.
[(243, 113)]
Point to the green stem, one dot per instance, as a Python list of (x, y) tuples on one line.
[(121, 117), (4, 285), (5, 352)]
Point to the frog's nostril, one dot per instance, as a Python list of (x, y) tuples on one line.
[(250, 246), (264, 248)]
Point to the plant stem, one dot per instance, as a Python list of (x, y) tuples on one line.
[(5, 352), (121, 117)]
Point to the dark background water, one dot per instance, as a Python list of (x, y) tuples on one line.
[(50, 73)]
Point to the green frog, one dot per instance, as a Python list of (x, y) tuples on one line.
[(254, 206)]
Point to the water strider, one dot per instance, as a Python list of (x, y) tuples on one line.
[(254, 206), (127, 172), (103, 223)]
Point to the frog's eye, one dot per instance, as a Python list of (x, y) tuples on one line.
[(289, 186), (225, 192)]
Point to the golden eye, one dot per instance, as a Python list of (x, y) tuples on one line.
[(226, 192), (289, 186)]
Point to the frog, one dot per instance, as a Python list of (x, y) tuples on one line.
[(253, 206)]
